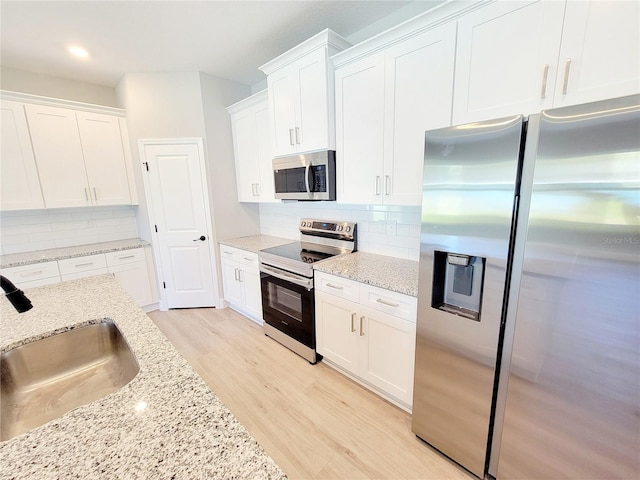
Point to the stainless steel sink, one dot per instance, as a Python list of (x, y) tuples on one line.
[(42, 380)]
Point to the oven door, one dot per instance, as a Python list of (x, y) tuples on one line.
[(289, 308)]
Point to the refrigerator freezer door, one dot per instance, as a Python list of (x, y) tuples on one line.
[(573, 394), (470, 177)]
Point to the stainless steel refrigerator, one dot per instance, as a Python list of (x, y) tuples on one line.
[(528, 334)]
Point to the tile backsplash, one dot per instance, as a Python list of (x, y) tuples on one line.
[(385, 230), (26, 231)]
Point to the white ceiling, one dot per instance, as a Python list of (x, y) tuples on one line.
[(228, 39)]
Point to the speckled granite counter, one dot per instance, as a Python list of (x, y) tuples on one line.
[(395, 274), (253, 243), (39, 256), (184, 433)]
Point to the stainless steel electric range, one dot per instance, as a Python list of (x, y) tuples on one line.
[(286, 278)]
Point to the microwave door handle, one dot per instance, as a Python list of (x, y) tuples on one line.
[(306, 177)]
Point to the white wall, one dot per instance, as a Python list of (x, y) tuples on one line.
[(44, 85), (385, 230), (231, 219), (26, 231)]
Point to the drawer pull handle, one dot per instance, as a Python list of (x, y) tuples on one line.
[(227, 253), (126, 256), (361, 326), (84, 264), (31, 273), (388, 303), (337, 287), (248, 259)]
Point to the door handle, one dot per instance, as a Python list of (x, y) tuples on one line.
[(202, 238), (306, 177), (353, 319), (565, 83), (361, 326)]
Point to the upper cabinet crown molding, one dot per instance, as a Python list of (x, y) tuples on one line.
[(444, 13), (58, 102), (334, 43), (251, 101)]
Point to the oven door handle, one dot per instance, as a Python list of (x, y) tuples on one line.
[(289, 277)]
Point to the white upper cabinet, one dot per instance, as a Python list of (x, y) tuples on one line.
[(301, 95), (20, 188), (384, 104), (599, 55), (104, 158), (506, 60), (523, 57), (360, 131), (250, 124), (58, 151), (80, 157)]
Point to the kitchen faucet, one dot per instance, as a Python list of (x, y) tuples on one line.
[(17, 297)]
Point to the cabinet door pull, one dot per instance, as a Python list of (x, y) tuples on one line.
[(387, 184), (362, 326), (565, 83), (291, 137), (298, 135), (235, 274), (240, 275), (353, 322), (377, 184), (257, 189), (387, 302), (545, 74), (337, 287), (95, 193), (86, 194)]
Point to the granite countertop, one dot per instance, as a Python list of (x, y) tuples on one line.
[(185, 432), (395, 274), (39, 256), (254, 243)]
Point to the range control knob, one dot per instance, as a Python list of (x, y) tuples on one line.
[(339, 228), (348, 229)]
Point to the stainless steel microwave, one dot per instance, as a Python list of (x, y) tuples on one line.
[(308, 176)]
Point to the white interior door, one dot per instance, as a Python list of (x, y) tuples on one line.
[(179, 209)]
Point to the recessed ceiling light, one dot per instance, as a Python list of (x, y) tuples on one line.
[(78, 52)]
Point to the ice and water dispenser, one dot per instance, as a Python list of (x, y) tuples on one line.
[(457, 284)]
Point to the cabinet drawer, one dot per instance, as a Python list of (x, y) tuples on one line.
[(125, 256), (393, 303), (340, 287), (244, 257), (25, 276), (82, 264)]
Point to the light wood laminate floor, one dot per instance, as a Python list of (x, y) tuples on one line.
[(313, 421)]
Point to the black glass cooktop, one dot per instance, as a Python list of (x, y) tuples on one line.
[(294, 251)]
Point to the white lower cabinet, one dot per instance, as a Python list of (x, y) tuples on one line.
[(33, 275), (81, 267), (371, 339), (129, 267), (241, 281)]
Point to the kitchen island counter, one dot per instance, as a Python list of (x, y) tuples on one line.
[(391, 273), (184, 431)]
